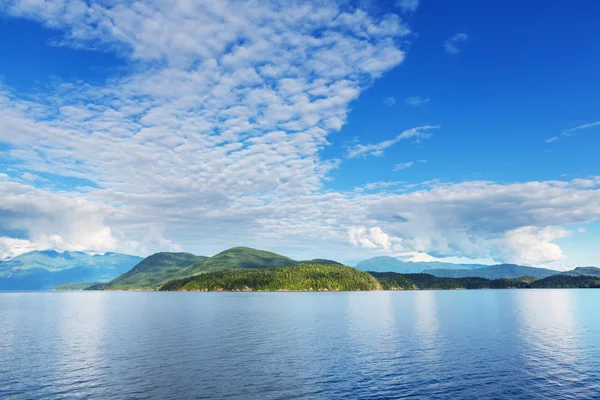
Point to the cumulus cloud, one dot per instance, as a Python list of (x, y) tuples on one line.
[(371, 238), (222, 115), (376, 149), (451, 44)]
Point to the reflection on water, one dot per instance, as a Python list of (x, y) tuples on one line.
[(422, 344), (553, 352)]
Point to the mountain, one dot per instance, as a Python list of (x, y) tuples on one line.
[(494, 272), (583, 271), (159, 268), (238, 257), (44, 270), (153, 271), (305, 277), (392, 264)]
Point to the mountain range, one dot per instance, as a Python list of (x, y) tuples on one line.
[(502, 271), (44, 270), (392, 264)]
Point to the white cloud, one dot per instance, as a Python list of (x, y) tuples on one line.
[(372, 238), (416, 101), (571, 131), (408, 6), (402, 166), (451, 44), (389, 101), (213, 139), (417, 134), (406, 165), (531, 245)]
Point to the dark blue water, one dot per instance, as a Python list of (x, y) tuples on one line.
[(512, 344)]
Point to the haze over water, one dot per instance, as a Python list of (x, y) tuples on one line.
[(420, 344)]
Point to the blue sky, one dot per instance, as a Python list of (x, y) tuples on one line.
[(418, 129)]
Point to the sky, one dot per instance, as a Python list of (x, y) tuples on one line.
[(462, 131)]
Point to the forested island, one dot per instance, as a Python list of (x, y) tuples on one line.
[(246, 269)]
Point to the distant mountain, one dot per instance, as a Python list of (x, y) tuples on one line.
[(160, 268), (583, 271), (502, 271), (392, 264), (44, 270), (153, 271)]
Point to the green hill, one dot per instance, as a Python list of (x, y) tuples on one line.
[(152, 271), (159, 268), (237, 257), (296, 278), (506, 271)]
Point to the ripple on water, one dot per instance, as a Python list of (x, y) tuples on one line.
[(467, 344)]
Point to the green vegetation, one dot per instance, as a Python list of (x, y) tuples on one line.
[(151, 272), (297, 278), (567, 282), (76, 285), (394, 281)]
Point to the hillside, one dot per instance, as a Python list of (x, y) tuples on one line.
[(583, 271), (237, 257), (153, 271), (44, 270), (392, 264), (395, 281), (297, 278), (562, 281), (495, 272)]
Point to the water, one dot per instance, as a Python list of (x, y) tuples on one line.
[(492, 344)]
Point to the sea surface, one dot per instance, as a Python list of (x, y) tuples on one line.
[(476, 344)]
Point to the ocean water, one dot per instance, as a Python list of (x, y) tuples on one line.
[(479, 344)]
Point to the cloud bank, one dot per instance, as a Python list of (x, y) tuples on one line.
[(212, 138)]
